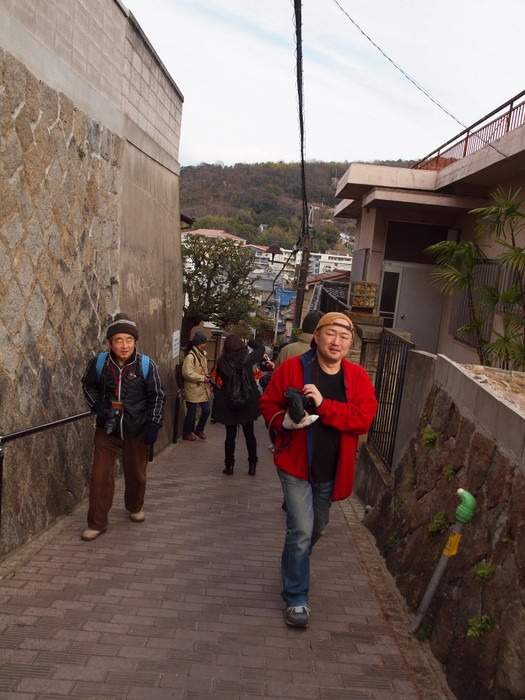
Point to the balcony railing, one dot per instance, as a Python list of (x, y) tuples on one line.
[(505, 118)]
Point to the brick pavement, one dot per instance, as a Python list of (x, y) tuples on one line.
[(186, 605)]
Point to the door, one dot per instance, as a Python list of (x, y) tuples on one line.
[(408, 301)]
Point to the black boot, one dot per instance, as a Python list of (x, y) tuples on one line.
[(228, 469), (252, 467)]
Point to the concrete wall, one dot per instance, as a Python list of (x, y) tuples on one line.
[(89, 225), (479, 446)]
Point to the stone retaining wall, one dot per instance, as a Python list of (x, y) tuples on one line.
[(60, 178), (89, 225), (464, 436)]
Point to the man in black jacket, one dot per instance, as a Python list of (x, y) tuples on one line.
[(124, 389)]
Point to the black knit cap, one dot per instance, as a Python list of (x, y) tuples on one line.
[(310, 321), (121, 324)]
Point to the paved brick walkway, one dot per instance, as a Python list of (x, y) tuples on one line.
[(186, 605)]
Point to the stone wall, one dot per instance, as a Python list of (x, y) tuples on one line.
[(89, 225), (476, 443), (60, 178)]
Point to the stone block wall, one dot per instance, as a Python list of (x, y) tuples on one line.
[(89, 226), (60, 178), (460, 440)]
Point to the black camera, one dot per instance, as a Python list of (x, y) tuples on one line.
[(298, 403), (114, 415)]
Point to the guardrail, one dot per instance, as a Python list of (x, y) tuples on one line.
[(26, 432), (493, 126)]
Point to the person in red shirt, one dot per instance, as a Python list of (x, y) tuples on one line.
[(315, 454)]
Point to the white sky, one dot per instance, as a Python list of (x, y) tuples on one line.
[(234, 62)]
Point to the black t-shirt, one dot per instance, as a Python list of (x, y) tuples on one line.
[(326, 438)]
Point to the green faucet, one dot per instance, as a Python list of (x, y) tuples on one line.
[(466, 509), (464, 513)]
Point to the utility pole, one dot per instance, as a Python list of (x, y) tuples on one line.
[(306, 241)]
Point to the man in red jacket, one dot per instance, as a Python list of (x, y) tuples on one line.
[(315, 454)]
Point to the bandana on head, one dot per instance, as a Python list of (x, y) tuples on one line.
[(335, 318)]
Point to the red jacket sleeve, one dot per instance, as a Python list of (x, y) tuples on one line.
[(357, 414), (352, 418)]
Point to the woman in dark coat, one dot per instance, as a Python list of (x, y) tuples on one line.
[(236, 353)]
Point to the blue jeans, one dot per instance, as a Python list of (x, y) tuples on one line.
[(191, 413), (307, 515)]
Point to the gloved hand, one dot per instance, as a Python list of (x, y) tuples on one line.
[(150, 434), (102, 413), (305, 421)]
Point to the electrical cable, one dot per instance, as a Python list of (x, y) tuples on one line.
[(422, 89), (306, 229), (300, 105)]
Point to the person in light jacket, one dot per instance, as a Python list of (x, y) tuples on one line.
[(304, 338), (197, 389)]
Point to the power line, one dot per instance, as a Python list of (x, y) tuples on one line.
[(422, 89), (398, 67)]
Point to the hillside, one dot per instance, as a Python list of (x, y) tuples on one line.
[(262, 202)]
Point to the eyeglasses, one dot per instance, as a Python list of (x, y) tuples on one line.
[(123, 341)]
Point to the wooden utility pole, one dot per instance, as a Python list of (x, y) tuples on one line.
[(306, 241)]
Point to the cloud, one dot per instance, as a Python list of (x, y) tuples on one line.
[(235, 63)]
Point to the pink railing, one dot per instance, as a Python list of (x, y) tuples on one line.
[(509, 116)]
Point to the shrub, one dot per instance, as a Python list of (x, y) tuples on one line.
[(429, 436), (484, 571), (438, 524), (477, 626)]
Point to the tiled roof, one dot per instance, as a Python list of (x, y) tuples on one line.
[(325, 276)]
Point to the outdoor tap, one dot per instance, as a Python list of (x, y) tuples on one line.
[(464, 513), (466, 509)]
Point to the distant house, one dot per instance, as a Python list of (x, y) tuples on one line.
[(401, 211)]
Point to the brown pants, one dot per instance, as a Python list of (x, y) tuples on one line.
[(102, 487)]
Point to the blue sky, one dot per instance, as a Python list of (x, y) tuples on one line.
[(234, 61)]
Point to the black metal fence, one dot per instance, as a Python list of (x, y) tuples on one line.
[(390, 378)]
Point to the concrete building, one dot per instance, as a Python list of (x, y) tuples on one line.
[(89, 225), (401, 211)]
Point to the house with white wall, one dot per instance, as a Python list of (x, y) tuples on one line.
[(401, 211)]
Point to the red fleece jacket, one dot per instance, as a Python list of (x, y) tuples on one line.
[(352, 419)]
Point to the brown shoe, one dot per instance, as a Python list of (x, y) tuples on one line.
[(89, 535), (202, 436), (189, 436), (137, 517)]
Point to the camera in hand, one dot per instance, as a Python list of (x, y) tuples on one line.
[(298, 404), (114, 415)]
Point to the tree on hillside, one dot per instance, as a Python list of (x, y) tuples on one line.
[(215, 284)]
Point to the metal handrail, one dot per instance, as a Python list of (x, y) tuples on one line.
[(39, 428), (472, 139), (26, 432)]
